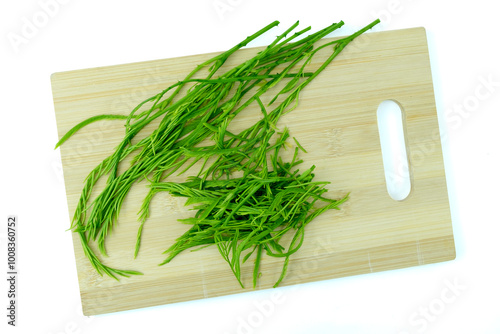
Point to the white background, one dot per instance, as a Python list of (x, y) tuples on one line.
[(464, 51)]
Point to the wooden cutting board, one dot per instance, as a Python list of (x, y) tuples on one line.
[(336, 121)]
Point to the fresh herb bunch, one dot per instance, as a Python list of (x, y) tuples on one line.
[(251, 212), (195, 110)]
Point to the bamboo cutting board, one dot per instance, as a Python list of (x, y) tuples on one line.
[(336, 121)]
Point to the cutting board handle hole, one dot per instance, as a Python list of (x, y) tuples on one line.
[(390, 119)]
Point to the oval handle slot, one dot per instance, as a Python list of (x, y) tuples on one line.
[(393, 145)]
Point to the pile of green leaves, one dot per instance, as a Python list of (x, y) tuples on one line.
[(252, 212), (240, 215)]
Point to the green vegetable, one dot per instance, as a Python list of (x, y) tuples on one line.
[(246, 213), (251, 212)]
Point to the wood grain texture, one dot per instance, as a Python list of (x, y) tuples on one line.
[(335, 121)]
